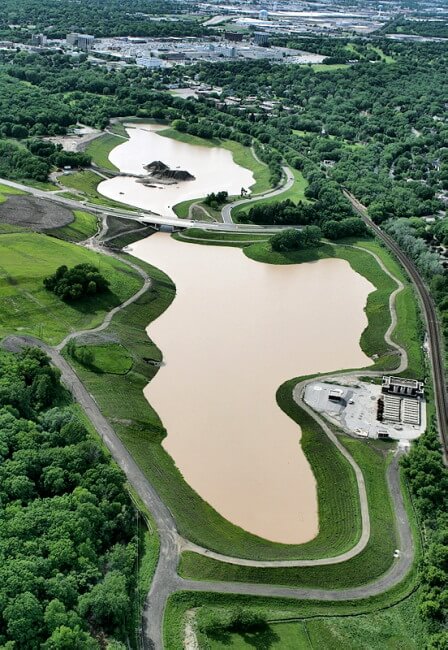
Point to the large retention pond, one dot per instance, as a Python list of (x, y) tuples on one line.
[(235, 331), (213, 168)]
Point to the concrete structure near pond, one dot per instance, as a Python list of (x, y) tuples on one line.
[(355, 406)]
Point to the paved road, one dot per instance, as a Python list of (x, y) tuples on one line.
[(226, 212), (434, 337)]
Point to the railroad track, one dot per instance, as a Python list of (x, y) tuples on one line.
[(430, 314)]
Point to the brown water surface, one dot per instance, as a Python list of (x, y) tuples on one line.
[(236, 330)]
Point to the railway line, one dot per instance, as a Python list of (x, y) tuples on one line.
[(430, 315)]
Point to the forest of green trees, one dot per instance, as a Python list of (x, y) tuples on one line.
[(68, 543)]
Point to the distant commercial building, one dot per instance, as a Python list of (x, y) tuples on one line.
[(263, 15), (151, 62), (81, 41), (38, 40), (235, 37), (402, 387), (261, 39)]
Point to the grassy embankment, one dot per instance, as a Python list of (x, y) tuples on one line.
[(218, 238), (5, 190), (100, 149), (83, 226), (28, 308)]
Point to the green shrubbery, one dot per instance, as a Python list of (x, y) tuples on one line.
[(80, 281), (294, 240)]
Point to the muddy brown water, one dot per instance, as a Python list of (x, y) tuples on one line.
[(213, 168), (235, 331)]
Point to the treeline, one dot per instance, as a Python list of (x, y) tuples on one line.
[(112, 18), (287, 213), (327, 208), (428, 481), (67, 533)]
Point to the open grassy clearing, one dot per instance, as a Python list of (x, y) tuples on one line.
[(85, 225), (182, 210), (87, 182), (46, 186), (386, 58), (371, 563), (100, 149), (395, 627), (241, 155), (28, 308), (330, 67), (295, 193)]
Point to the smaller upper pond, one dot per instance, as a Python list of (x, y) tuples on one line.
[(213, 168)]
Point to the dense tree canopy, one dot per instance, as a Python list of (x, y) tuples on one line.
[(66, 529)]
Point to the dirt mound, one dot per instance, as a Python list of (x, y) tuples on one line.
[(157, 169), (36, 214)]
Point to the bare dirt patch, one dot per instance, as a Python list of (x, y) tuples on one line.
[(34, 213)]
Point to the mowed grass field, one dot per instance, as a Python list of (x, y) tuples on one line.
[(28, 308), (87, 181)]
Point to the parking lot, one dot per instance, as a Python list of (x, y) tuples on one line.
[(356, 412)]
